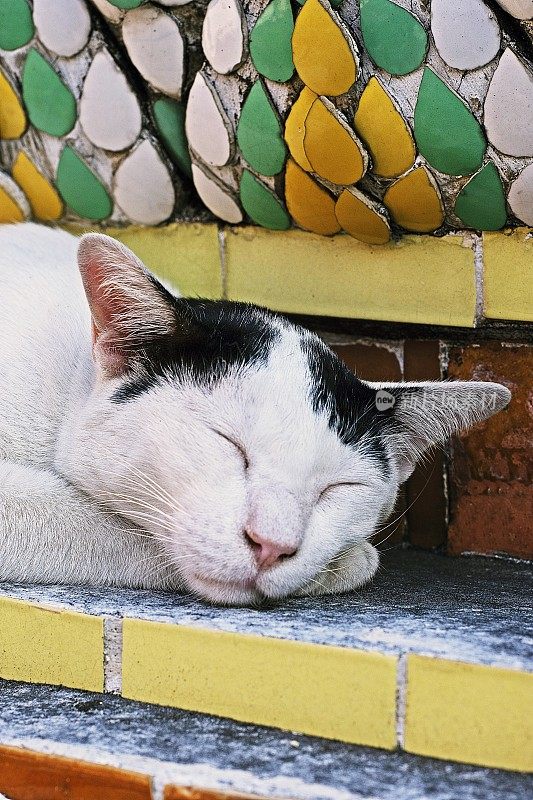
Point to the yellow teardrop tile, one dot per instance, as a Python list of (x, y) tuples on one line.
[(44, 200), (9, 210), (384, 131), (12, 116), (414, 202), (310, 206), (323, 51), (334, 151), (362, 218), (295, 127)]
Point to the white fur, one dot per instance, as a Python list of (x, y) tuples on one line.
[(149, 492)]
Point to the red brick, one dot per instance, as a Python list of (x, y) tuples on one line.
[(190, 793), (28, 775), (491, 471), (370, 361)]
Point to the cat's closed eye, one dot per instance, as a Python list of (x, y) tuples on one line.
[(340, 484), (237, 446)]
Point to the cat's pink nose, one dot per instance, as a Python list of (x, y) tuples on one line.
[(267, 553)]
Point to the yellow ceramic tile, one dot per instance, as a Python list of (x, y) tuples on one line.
[(414, 202), (310, 206), (384, 131), (42, 645), (322, 50), (12, 116), (468, 712), (332, 148), (187, 255), (362, 218), (508, 275), (295, 127), (325, 691), (419, 279), (9, 210), (44, 200)]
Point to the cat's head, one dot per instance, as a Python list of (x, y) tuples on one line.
[(239, 439)]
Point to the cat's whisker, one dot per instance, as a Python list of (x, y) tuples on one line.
[(128, 500)]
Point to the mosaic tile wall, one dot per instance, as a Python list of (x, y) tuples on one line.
[(368, 116)]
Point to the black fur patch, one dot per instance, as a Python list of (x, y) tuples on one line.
[(350, 403), (212, 339)]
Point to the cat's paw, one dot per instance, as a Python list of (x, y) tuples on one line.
[(345, 572)]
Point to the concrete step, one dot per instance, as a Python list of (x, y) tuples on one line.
[(160, 752), (434, 657)]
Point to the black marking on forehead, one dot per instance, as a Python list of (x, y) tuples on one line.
[(213, 338), (350, 403)]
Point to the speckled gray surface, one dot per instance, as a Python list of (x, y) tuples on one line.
[(123, 726), (471, 609)]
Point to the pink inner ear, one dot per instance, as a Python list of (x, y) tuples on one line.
[(105, 306)]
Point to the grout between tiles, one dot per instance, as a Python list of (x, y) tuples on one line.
[(113, 655), (479, 278), (401, 699)]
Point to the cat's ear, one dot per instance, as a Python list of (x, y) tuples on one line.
[(419, 416), (129, 307)]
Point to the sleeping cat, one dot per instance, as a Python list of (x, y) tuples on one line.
[(153, 441)]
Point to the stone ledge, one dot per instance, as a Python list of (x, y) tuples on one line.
[(124, 744), (356, 657)]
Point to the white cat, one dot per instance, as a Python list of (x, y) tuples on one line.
[(209, 446)]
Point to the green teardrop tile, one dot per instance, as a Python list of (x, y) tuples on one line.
[(80, 188), (51, 105), (446, 131), (259, 132), (261, 204), (270, 41), (396, 41), (127, 4), (16, 24), (170, 120), (481, 202)]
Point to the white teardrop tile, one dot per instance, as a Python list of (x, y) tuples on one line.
[(207, 126), (63, 26), (218, 201), (509, 107), (521, 9), (466, 32), (109, 111), (521, 196), (154, 44), (143, 186), (170, 3), (223, 35)]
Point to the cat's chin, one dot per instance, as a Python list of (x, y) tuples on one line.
[(227, 593)]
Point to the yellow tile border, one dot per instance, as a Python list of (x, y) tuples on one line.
[(469, 712), (47, 645), (417, 280), (334, 692), (508, 275)]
